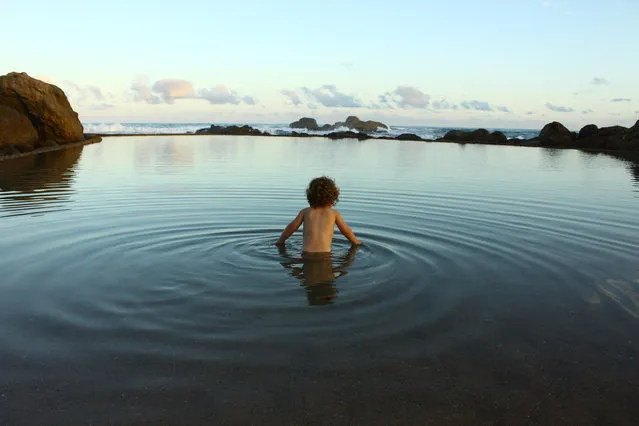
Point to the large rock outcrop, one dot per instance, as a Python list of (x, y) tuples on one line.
[(555, 134), (44, 105), (15, 128), (305, 123), (613, 137), (479, 135), (352, 123), (632, 137), (355, 123)]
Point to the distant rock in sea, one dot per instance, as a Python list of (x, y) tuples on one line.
[(305, 123), (351, 122)]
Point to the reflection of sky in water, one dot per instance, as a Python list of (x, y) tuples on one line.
[(623, 293)]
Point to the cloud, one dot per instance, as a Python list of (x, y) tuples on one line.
[(170, 89), (620, 100), (292, 96), (558, 108), (503, 108), (220, 95), (249, 100), (546, 4), (476, 105), (142, 91), (530, 112), (329, 96), (348, 65), (587, 111), (82, 94), (444, 104), (405, 97), (100, 107), (598, 81)]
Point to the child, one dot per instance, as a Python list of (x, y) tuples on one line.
[(320, 218)]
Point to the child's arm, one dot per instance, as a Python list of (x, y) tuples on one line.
[(290, 228), (345, 229)]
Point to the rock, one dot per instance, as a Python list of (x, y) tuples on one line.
[(355, 123), (231, 130), (300, 135), (588, 131), (9, 150), (46, 144), (555, 134), (327, 128), (479, 135), (347, 135), (498, 137), (44, 104), (454, 135), (305, 123), (408, 137), (612, 131), (613, 137), (15, 128), (351, 122), (631, 140)]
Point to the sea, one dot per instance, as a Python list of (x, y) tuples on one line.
[(279, 129)]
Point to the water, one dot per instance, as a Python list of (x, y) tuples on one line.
[(425, 132), (496, 285)]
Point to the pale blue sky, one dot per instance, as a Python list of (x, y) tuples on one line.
[(494, 63)]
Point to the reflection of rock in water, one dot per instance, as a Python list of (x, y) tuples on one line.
[(38, 182), (630, 158)]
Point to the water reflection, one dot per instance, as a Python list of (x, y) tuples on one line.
[(630, 158), (317, 272), (39, 182)]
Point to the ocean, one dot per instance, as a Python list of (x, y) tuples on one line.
[(426, 132)]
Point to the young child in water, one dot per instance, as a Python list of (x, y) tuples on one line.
[(320, 218)]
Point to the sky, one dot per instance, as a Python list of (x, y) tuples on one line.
[(467, 63)]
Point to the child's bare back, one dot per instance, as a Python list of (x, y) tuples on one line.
[(320, 218)]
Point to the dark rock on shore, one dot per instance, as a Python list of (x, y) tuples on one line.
[(44, 105), (479, 135), (351, 122), (613, 137), (408, 137), (588, 131), (231, 130), (555, 134), (300, 135), (348, 135), (632, 137)]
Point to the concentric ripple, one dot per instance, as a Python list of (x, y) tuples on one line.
[(162, 248)]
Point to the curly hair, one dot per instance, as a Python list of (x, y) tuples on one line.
[(322, 192)]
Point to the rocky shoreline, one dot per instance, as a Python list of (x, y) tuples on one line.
[(36, 117), (553, 135)]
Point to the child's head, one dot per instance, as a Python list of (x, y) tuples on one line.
[(322, 192)]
